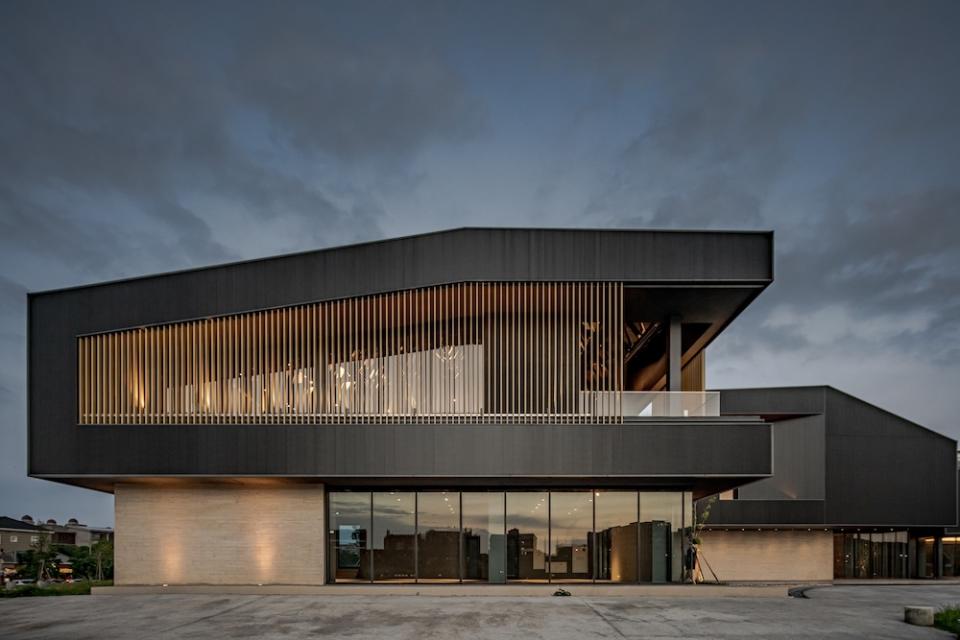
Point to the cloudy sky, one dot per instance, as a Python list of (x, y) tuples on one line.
[(138, 137)]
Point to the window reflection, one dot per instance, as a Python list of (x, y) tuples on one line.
[(571, 535), (393, 536), (527, 535), (872, 554), (349, 527), (616, 538), (534, 536), (484, 538), (951, 557), (660, 536), (438, 537)]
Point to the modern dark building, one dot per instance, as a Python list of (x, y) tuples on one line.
[(484, 405), (857, 492)]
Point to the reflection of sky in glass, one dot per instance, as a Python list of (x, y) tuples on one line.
[(393, 514), (350, 509), (615, 508), (661, 505), (483, 514), (527, 512), (438, 511), (571, 517)]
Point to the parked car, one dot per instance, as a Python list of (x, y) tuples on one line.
[(22, 582)]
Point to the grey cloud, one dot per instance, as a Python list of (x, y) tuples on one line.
[(157, 102), (845, 114)]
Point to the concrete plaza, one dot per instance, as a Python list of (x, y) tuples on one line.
[(847, 611)]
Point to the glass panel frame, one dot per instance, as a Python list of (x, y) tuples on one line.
[(536, 536), (615, 541), (350, 520), (393, 536), (439, 534), (571, 554), (484, 536), (661, 536), (528, 535)]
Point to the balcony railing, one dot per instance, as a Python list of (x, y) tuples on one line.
[(652, 404), (671, 404)]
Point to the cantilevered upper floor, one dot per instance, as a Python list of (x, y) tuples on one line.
[(532, 337)]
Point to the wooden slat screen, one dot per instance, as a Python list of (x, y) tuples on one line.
[(469, 352)]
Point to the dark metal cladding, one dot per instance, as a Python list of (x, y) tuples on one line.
[(844, 462), (669, 448), (59, 448)]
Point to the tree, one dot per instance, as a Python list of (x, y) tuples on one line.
[(102, 554), (702, 515), (81, 559), (42, 558)]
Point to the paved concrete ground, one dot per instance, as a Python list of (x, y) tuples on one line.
[(832, 612)]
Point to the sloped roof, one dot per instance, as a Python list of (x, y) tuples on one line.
[(18, 525)]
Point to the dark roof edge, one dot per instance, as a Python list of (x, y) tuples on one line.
[(12, 524), (891, 413), (827, 387), (30, 294), (773, 388)]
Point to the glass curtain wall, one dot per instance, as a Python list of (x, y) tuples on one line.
[(350, 522), (661, 536), (951, 557), (394, 525), (927, 557), (571, 536), (616, 535), (527, 535), (438, 536), (484, 536), (495, 536), (871, 555)]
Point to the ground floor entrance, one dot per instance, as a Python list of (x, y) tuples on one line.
[(875, 554), (436, 536), (894, 554)]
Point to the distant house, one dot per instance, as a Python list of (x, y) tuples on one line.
[(16, 536), (75, 533), (84, 535)]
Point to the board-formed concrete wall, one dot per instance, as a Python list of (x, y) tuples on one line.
[(788, 555), (242, 532)]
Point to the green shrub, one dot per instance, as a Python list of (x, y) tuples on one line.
[(948, 618), (79, 588)]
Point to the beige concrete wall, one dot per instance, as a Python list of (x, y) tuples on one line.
[(769, 555), (246, 532)]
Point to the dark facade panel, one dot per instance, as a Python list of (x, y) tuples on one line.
[(703, 449), (885, 470), (798, 462), (461, 255), (765, 513), (777, 401)]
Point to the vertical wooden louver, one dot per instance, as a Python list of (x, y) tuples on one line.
[(469, 352)]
